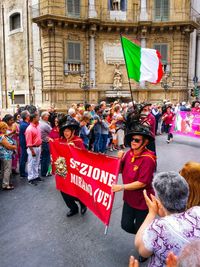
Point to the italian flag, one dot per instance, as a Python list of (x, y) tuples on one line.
[(142, 64)]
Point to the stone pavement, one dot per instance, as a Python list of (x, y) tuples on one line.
[(34, 230)]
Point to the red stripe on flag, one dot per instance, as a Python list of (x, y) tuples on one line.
[(160, 68)]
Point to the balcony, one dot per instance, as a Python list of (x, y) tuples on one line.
[(73, 67), (63, 12)]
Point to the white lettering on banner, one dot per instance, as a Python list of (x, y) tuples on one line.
[(103, 198), (81, 183), (95, 173)]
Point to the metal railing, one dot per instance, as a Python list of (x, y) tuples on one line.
[(103, 14)]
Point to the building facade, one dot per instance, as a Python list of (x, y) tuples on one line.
[(72, 52), (19, 51)]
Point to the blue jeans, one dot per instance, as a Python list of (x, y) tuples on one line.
[(22, 162), (97, 139), (45, 158), (103, 142)]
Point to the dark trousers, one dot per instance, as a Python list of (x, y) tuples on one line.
[(22, 162), (132, 218), (97, 140), (170, 135), (45, 158), (70, 202), (103, 142)]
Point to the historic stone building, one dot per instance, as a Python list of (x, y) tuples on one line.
[(19, 53), (72, 51)]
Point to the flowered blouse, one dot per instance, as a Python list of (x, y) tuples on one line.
[(171, 233), (4, 152)]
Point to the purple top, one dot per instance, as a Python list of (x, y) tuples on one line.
[(171, 233)]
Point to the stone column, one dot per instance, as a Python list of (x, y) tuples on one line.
[(143, 44), (143, 10), (92, 11), (198, 55), (92, 58), (192, 55)]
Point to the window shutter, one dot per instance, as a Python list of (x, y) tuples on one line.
[(70, 51), (77, 52), (157, 9), (74, 52), (163, 49), (164, 53), (70, 6), (77, 7), (165, 10)]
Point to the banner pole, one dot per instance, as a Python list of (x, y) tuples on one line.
[(106, 230), (129, 81)]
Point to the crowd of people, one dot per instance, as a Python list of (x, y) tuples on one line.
[(161, 210)]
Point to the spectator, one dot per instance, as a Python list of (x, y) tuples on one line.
[(45, 130), (13, 132), (25, 115), (33, 142), (104, 133), (191, 173), (54, 134), (7, 147), (97, 128), (176, 226)]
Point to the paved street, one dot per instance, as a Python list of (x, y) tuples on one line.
[(35, 231)]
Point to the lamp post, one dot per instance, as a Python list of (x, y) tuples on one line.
[(196, 89), (167, 81), (86, 85)]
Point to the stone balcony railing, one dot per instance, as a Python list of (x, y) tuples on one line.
[(73, 67), (134, 15)]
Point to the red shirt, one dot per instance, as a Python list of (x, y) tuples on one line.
[(33, 135), (168, 118), (139, 168), (151, 121), (196, 109), (77, 141)]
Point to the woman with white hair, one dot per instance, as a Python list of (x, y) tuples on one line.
[(176, 226)]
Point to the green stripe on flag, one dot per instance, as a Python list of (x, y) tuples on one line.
[(132, 56)]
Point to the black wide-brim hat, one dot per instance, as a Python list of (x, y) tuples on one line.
[(70, 125), (143, 105), (139, 130)]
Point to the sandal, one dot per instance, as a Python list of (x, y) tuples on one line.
[(8, 187)]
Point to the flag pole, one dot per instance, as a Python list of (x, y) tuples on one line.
[(129, 81)]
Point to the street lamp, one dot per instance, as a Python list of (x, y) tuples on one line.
[(85, 84), (196, 88)]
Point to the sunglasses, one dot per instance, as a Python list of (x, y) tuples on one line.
[(136, 140)]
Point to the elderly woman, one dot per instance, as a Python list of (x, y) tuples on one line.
[(191, 173), (176, 226), (7, 147)]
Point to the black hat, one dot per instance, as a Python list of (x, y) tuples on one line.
[(139, 130), (143, 105), (70, 125)]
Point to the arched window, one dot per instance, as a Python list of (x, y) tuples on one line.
[(161, 10), (15, 21)]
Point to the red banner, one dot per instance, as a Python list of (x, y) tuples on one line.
[(87, 176)]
